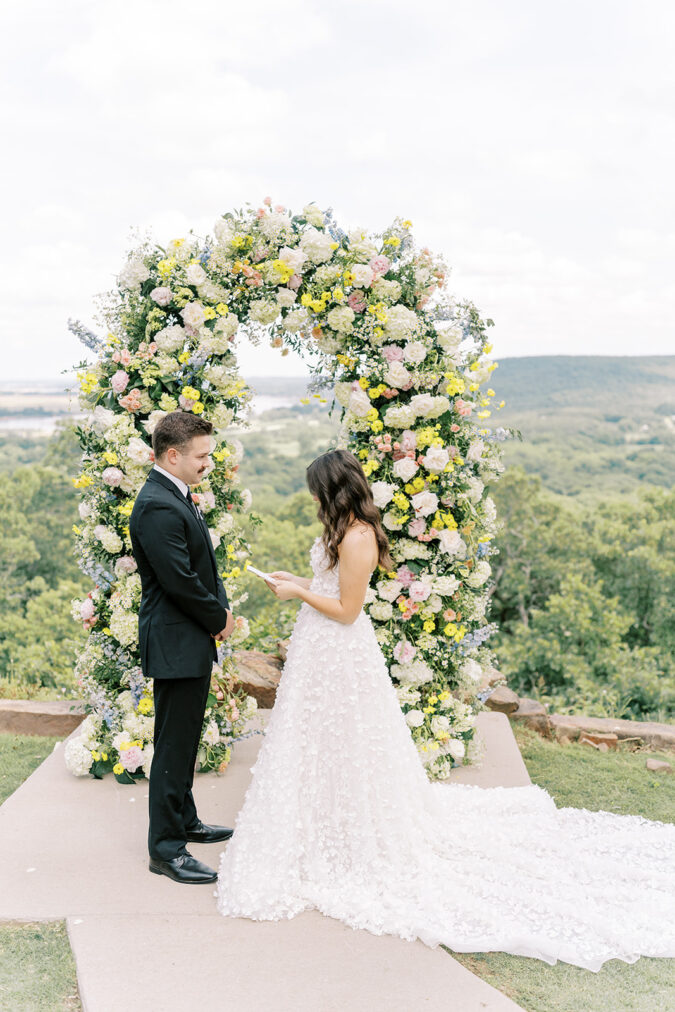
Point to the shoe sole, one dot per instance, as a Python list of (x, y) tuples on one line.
[(184, 881), (199, 839)]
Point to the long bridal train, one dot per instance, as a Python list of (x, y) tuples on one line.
[(340, 817)]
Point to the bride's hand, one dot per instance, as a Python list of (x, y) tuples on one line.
[(281, 574), (285, 590)]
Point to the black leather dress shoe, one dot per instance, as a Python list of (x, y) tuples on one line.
[(184, 868), (208, 834)]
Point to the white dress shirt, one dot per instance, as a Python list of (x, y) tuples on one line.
[(177, 481)]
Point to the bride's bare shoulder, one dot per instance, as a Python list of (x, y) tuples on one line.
[(360, 536)]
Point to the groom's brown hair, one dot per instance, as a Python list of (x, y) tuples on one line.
[(177, 429)]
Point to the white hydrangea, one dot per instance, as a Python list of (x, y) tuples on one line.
[(133, 274), (212, 734), (78, 757), (225, 524), (381, 610), (406, 548), (124, 627), (296, 320), (286, 298), (341, 319), (475, 451), (450, 336), (138, 451), (313, 215), (440, 725), (221, 417), (383, 492), (399, 416), (170, 338), (407, 695), (275, 224), (109, 538), (317, 245), (226, 325), (150, 424), (415, 672), (101, 419), (360, 246), (479, 575), (386, 291), (471, 670), (389, 589), (342, 393), (264, 311), (401, 323)]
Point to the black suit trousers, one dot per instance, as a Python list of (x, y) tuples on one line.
[(179, 714)]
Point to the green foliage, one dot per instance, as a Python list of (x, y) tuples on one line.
[(584, 599), (39, 640)]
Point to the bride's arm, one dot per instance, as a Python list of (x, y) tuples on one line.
[(281, 574), (355, 575)]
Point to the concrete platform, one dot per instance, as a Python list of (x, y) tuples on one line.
[(76, 849)]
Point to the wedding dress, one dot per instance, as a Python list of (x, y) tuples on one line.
[(340, 817)]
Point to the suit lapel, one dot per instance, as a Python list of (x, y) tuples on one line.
[(156, 476)]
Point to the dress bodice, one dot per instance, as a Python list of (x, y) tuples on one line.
[(325, 581)]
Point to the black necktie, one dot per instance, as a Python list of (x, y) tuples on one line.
[(192, 504)]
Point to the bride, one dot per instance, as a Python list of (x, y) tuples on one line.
[(340, 816)]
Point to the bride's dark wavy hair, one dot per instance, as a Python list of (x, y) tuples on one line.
[(338, 480)]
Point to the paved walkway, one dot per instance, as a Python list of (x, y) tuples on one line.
[(76, 849)]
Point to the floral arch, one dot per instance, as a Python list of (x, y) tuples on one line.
[(405, 362)]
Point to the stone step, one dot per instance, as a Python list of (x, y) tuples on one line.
[(48, 717)]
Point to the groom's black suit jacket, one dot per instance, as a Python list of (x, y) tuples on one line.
[(183, 600)]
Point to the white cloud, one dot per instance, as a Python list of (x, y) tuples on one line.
[(530, 144)]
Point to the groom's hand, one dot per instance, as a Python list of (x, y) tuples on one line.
[(227, 631)]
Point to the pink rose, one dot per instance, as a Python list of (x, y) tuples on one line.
[(120, 381), (87, 609), (294, 282), (418, 591), (112, 476), (131, 758), (125, 564), (404, 652), (115, 356), (132, 401), (379, 264), (357, 302), (392, 353), (463, 408), (162, 296), (267, 201), (125, 357), (405, 575), (417, 527), (408, 440)]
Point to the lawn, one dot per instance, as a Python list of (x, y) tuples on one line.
[(37, 970), (579, 776)]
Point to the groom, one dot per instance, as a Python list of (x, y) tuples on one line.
[(184, 611)]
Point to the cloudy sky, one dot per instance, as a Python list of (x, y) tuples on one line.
[(532, 143)]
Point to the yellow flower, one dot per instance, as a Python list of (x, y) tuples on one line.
[(222, 309), (191, 393), (166, 266), (392, 241), (145, 706), (126, 508), (490, 392), (348, 277), (110, 457), (483, 414), (118, 768), (376, 426), (429, 625), (184, 357), (197, 408), (75, 529), (230, 550), (209, 313), (96, 756), (338, 295), (363, 383), (104, 756), (487, 349)]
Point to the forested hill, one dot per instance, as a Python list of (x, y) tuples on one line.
[(621, 385)]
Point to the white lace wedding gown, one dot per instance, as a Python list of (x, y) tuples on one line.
[(340, 817)]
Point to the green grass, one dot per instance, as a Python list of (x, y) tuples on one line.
[(37, 969), (19, 756), (580, 777)]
